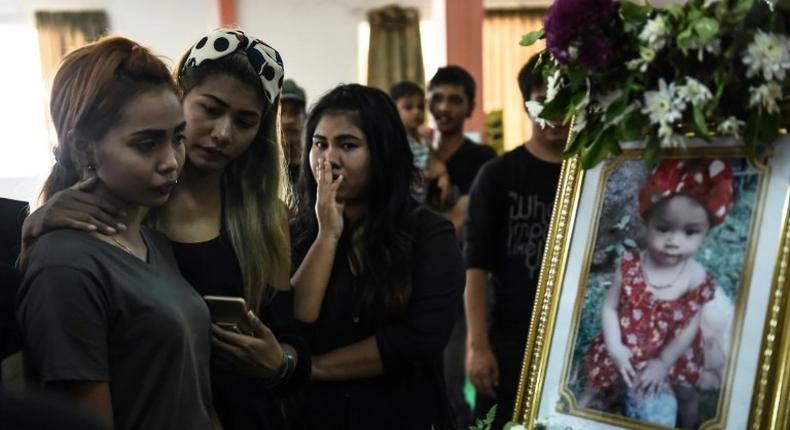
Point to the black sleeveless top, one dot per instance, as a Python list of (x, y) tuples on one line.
[(243, 402)]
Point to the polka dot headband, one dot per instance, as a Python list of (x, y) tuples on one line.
[(709, 182), (224, 41)]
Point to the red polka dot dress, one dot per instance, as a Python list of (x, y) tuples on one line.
[(647, 325)]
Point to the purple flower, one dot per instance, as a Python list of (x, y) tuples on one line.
[(595, 52), (568, 21)]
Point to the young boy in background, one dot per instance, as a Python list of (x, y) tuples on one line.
[(409, 98)]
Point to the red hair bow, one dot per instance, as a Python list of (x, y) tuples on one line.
[(709, 182)]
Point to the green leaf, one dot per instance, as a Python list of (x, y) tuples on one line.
[(630, 243), (752, 129), (632, 126), (579, 141), (532, 37), (706, 29), (558, 106), (633, 13), (576, 76), (768, 128), (623, 223), (675, 11), (651, 151), (615, 110), (699, 124), (485, 423), (684, 40), (598, 149), (739, 11)]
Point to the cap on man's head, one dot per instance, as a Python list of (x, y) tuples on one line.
[(292, 91)]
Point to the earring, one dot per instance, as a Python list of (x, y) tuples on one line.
[(90, 167)]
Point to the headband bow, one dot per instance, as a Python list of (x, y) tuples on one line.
[(709, 182), (265, 60)]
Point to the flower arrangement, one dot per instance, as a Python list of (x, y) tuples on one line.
[(622, 71)]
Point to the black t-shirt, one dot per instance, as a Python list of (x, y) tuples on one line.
[(410, 394), (506, 226), (463, 165), (90, 311), (241, 401)]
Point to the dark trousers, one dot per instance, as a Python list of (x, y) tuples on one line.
[(455, 373), (509, 356)]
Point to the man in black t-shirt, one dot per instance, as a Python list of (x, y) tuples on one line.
[(451, 100), (506, 226)]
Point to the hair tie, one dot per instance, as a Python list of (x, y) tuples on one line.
[(709, 182), (265, 60)]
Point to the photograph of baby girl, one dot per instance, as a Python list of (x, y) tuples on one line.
[(655, 326)]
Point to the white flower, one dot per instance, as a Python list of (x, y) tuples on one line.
[(553, 86), (655, 33), (667, 137), (731, 126), (694, 92), (573, 52), (535, 108), (766, 96), (662, 105), (768, 55), (713, 47), (635, 64), (647, 54)]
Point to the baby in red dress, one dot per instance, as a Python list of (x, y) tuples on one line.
[(650, 339)]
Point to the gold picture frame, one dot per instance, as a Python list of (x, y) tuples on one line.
[(564, 272)]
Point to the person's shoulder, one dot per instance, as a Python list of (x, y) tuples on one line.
[(478, 149), (427, 220), (64, 252), (62, 247), (698, 275)]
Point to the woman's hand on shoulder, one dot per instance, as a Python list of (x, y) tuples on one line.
[(327, 209), (259, 355), (77, 208)]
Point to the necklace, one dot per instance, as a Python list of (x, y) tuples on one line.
[(121, 245), (665, 286)]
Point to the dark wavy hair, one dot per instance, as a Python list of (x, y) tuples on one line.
[(385, 243)]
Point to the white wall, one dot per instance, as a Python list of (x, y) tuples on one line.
[(318, 39), (164, 25)]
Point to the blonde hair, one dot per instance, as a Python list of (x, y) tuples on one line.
[(254, 214)]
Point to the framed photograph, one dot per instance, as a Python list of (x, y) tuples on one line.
[(663, 294)]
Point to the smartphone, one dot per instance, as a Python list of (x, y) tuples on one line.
[(230, 313)]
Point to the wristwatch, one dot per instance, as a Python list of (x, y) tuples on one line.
[(289, 363)]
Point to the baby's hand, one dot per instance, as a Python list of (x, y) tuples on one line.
[(653, 376), (622, 361)]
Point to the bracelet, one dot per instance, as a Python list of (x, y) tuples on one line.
[(286, 368)]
